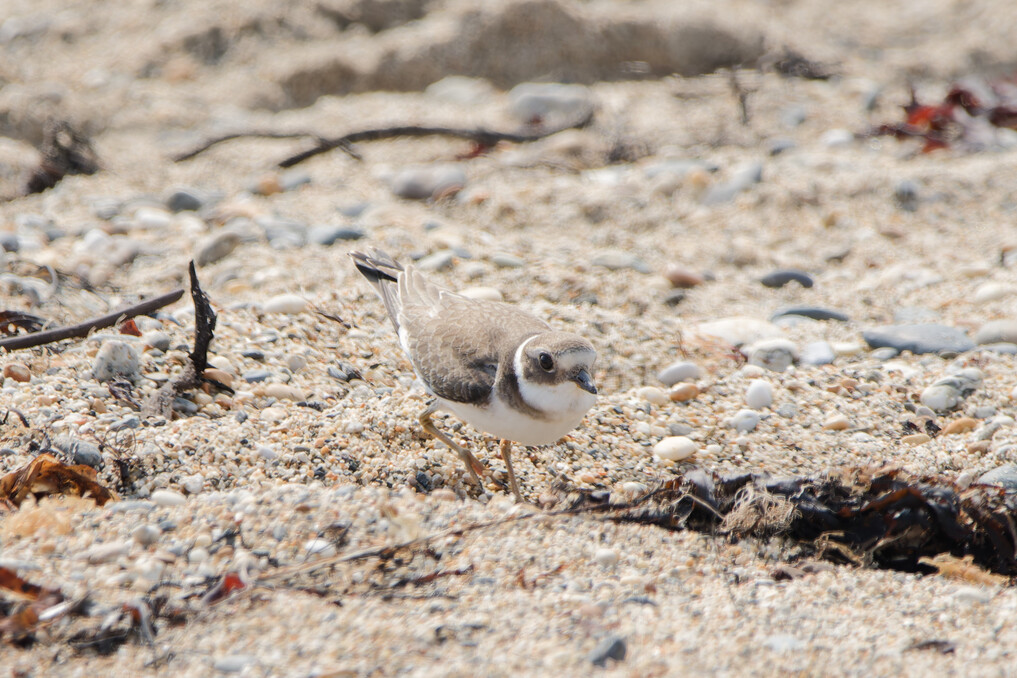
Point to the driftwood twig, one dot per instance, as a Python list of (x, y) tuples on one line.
[(82, 329), (481, 137)]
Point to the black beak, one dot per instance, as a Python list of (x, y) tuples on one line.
[(585, 382)]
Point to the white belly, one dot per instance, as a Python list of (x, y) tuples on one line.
[(504, 422)]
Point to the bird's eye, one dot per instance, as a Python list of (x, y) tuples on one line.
[(546, 361)]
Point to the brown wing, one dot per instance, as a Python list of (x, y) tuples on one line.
[(456, 343)]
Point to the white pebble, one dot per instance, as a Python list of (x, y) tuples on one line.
[(940, 397), (759, 394), (168, 498), (193, 484), (319, 547), (104, 553), (198, 554), (267, 453), (483, 293), (606, 557), (745, 420), (285, 303), (679, 371), (116, 359), (675, 448), (653, 395), (152, 218), (272, 414)]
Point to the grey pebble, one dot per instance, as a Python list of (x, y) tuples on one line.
[(330, 235), (184, 200), (906, 195), (783, 642), (615, 260), (885, 353), (818, 353), (255, 376), (146, 535), (787, 410), (294, 179), (1004, 348), (9, 242), (337, 373), (283, 234), (503, 260), (116, 359), (997, 332), (741, 178), (612, 647), (914, 315), (253, 354), (984, 412), (131, 421), (126, 506), (775, 354), (677, 167), (778, 146), (185, 406), (80, 451), (928, 338), (1005, 475), (158, 340), (106, 208), (681, 370), (267, 453), (745, 420), (537, 101), (783, 277), (355, 210), (438, 261), (233, 663), (218, 246), (426, 182), (813, 312)]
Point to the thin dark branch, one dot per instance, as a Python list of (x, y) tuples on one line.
[(481, 137), (243, 135), (82, 329)]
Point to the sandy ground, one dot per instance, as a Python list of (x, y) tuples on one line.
[(579, 228)]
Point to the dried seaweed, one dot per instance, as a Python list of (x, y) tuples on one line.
[(883, 518), (46, 475)]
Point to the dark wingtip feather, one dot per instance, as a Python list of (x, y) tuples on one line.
[(371, 268)]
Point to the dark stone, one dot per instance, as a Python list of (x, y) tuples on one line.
[(930, 338), (329, 235), (184, 200), (81, 452), (612, 647), (814, 312), (781, 278)]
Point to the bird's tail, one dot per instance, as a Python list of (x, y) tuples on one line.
[(382, 271)]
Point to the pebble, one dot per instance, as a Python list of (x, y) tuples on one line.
[(991, 291), (926, 338), (80, 452), (835, 138), (653, 395), (168, 498), (741, 178), (606, 557), (817, 353), (233, 663), (104, 553), (611, 648), (675, 448), (158, 340), (536, 102), (774, 354), (682, 278), (319, 547), (184, 200), (813, 312), (193, 484), (782, 643), (942, 396), (116, 360), (616, 260), (997, 332), (1005, 475), (759, 394), (425, 182), (916, 439), (681, 393), (329, 235), (17, 372), (267, 453), (146, 535), (504, 260), (152, 218), (836, 422), (461, 90), (906, 195), (679, 371), (783, 277), (437, 261), (285, 303), (224, 378), (961, 425), (739, 330), (216, 247), (198, 554), (255, 376), (745, 421)]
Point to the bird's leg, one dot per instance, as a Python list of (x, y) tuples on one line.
[(473, 464), (506, 449)]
